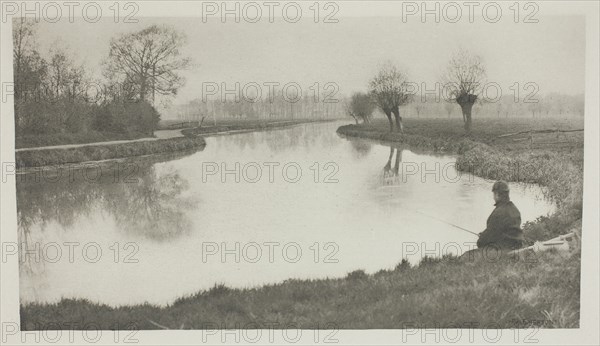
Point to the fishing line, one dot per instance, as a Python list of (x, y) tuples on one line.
[(443, 221), (446, 222)]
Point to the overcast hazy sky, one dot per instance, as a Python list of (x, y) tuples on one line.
[(550, 53)]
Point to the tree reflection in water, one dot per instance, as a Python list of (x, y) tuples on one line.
[(391, 175), (150, 202), (361, 148), (147, 200), (153, 206)]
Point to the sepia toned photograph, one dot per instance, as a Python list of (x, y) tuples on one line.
[(287, 172)]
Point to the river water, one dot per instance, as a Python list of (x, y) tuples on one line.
[(250, 209)]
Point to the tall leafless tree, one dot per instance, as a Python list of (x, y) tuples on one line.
[(64, 77), (389, 90), (28, 66), (149, 61), (464, 81), (348, 109)]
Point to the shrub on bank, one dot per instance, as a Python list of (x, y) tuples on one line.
[(126, 117), (72, 121), (44, 117)]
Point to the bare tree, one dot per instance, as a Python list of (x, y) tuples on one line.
[(448, 107), (389, 90), (360, 106), (28, 66), (348, 109), (534, 107), (149, 61), (498, 107), (65, 77), (463, 82), (419, 107)]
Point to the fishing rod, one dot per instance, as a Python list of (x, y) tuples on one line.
[(447, 223)]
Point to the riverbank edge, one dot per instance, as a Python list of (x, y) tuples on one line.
[(563, 182), (223, 130), (436, 293), (193, 138), (100, 153)]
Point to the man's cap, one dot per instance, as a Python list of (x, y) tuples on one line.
[(500, 186)]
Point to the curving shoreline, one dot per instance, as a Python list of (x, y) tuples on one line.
[(563, 180), (93, 153), (492, 162), (541, 292), (190, 139)]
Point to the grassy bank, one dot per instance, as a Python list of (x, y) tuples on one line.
[(48, 157), (541, 291), (44, 140), (438, 293), (190, 141)]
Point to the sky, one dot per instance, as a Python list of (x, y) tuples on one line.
[(550, 53)]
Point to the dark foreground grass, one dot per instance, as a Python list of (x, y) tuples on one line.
[(540, 290)]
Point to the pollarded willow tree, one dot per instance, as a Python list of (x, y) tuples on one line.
[(148, 61), (389, 91), (464, 81)]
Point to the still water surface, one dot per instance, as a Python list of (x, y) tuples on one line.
[(179, 226)]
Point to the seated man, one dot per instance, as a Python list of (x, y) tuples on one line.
[(504, 224)]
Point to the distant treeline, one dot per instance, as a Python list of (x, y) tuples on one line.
[(553, 104), (270, 109)]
